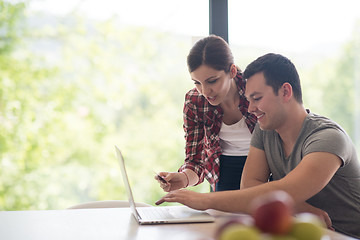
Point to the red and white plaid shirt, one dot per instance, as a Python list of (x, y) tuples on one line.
[(202, 123)]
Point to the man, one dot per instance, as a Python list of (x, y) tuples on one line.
[(309, 156)]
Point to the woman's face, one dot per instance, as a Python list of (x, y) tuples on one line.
[(213, 84)]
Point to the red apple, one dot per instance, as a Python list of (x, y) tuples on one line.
[(273, 212)]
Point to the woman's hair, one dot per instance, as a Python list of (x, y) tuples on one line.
[(212, 51)]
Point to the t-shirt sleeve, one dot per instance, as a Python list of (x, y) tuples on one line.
[(329, 140), (257, 138)]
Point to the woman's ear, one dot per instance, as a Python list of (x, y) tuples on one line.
[(233, 70)]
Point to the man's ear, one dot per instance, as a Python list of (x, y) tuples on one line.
[(286, 91)]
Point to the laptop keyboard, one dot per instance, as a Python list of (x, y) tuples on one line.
[(154, 213)]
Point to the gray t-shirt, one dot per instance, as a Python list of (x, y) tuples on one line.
[(340, 198)]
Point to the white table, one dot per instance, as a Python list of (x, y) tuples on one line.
[(101, 223)]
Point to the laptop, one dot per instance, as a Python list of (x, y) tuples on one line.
[(160, 214)]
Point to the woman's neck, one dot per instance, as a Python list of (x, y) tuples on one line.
[(232, 98)]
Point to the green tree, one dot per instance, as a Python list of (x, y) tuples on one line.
[(72, 89), (20, 92), (333, 88)]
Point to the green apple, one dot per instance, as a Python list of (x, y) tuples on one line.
[(228, 221), (281, 237), (307, 226), (239, 231)]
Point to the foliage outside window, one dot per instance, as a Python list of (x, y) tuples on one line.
[(71, 87)]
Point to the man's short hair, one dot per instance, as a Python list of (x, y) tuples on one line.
[(277, 70)]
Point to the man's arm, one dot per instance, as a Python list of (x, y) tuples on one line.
[(256, 170), (255, 173), (307, 179), (312, 174), (305, 207)]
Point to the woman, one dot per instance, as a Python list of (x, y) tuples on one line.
[(216, 122)]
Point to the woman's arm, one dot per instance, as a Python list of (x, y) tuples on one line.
[(194, 134)]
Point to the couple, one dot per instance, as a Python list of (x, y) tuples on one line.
[(307, 155)]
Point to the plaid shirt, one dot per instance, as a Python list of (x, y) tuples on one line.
[(202, 123)]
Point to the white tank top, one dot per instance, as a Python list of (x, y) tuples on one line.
[(235, 139)]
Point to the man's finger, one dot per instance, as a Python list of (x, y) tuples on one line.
[(327, 220), (159, 201)]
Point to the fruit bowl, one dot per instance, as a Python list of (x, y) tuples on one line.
[(272, 219)]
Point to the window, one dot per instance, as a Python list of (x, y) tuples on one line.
[(322, 38), (78, 77)]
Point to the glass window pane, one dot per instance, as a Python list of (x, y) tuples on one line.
[(322, 38), (83, 75)]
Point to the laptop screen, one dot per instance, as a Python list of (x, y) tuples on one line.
[(126, 181)]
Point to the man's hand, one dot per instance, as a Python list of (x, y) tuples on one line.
[(305, 207), (198, 201)]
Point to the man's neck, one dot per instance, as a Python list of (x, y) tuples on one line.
[(290, 130)]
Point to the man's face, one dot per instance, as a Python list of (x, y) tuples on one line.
[(264, 103)]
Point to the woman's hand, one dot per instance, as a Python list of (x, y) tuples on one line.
[(170, 181), (192, 199)]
